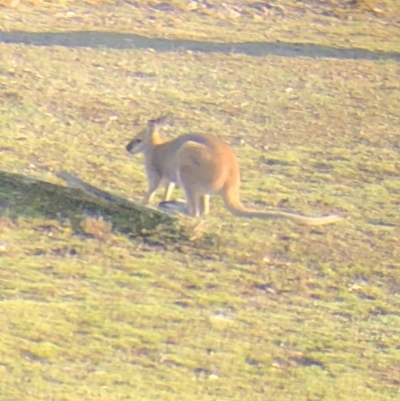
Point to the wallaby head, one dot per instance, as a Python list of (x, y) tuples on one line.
[(149, 135)]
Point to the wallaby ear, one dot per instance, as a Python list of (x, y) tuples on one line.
[(158, 122)]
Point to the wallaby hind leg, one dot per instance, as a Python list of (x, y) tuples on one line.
[(198, 205), (192, 203), (192, 158), (192, 198), (169, 188), (204, 204)]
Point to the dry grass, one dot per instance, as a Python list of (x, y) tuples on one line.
[(364, 24)]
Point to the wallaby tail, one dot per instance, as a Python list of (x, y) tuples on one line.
[(234, 205)]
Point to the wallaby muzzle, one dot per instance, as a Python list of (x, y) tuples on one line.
[(134, 146)]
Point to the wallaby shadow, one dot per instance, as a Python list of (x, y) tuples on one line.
[(115, 40), (25, 196)]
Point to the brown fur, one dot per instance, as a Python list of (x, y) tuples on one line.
[(203, 165)]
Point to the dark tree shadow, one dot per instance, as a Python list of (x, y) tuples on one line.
[(111, 40), (25, 196)]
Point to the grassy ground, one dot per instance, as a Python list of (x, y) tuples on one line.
[(366, 24), (263, 310)]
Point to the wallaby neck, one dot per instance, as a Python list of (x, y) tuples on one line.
[(156, 139), (153, 145)]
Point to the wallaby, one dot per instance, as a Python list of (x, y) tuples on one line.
[(203, 165)]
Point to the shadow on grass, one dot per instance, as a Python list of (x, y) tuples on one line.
[(111, 40), (29, 197)]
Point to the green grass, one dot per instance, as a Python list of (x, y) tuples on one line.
[(94, 308)]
